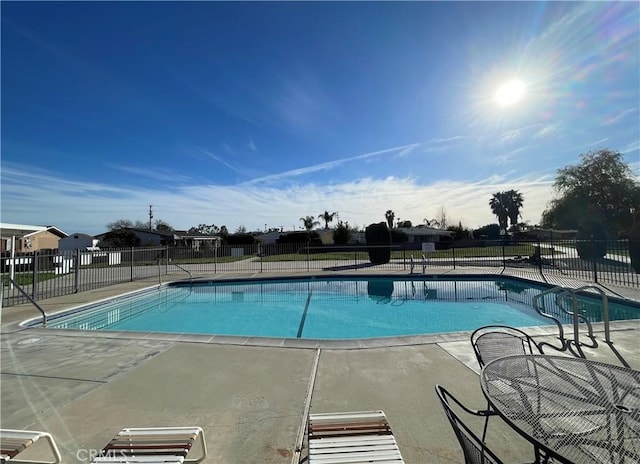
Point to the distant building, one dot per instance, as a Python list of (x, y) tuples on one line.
[(147, 237), (195, 240), (27, 238), (78, 242), (422, 234)]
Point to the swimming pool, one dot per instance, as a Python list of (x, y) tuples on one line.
[(327, 308)]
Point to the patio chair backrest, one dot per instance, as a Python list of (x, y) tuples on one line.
[(475, 451), (496, 341)]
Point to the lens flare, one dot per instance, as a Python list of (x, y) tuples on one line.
[(510, 92)]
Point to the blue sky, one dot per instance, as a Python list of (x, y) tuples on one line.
[(254, 114)]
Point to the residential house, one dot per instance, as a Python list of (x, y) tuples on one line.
[(147, 237), (23, 238), (422, 234), (78, 242), (195, 240)]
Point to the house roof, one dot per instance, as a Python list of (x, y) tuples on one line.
[(424, 231), (23, 230), (179, 234), (164, 234)]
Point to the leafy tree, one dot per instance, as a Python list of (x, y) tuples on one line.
[(309, 223), (126, 223), (459, 231), (390, 216), (398, 236), (120, 224), (491, 231), (343, 233), (327, 217), (431, 223), (163, 226), (404, 224), (601, 187), (514, 201), (442, 218), (121, 238), (311, 238), (224, 230), (241, 230), (499, 207), (240, 239), (205, 229)]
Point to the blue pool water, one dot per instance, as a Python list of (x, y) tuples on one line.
[(317, 308)]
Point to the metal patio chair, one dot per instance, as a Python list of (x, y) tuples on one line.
[(474, 449), (496, 341)]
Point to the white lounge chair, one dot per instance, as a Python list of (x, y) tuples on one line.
[(153, 445), (348, 437), (14, 442)]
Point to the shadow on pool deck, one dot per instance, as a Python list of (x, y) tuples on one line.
[(250, 400)]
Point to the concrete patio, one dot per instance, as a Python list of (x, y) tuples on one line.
[(250, 396)]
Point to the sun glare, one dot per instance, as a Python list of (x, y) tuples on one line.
[(510, 92)]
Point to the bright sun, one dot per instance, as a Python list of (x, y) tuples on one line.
[(510, 92)]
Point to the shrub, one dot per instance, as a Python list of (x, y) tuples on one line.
[(398, 236), (311, 238), (591, 240), (342, 234), (634, 247), (240, 239), (378, 234)]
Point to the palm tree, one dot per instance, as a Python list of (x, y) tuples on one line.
[(390, 216), (514, 202), (327, 217), (499, 206), (309, 222)]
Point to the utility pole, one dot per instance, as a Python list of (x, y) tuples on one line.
[(150, 216)]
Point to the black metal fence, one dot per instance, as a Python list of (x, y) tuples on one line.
[(48, 274)]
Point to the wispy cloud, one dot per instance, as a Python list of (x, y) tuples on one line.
[(88, 207), (331, 164), (619, 116), (252, 145), (219, 159), (633, 146), (546, 131), (443, 144), (512, 134), (155, 173)]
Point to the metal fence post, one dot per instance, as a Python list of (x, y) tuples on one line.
[(166, 261), (540, 257), (453, 254), (76, 268), (308, 259), (34, 286), (131, 267)]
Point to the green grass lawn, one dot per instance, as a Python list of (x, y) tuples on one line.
[(475, 252), (27, 279)]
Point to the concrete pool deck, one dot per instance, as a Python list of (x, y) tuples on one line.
[(249, 395)]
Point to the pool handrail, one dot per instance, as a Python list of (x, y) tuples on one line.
[(31, 300)]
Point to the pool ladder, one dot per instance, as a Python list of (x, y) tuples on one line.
[(568, 296), (168, 261), (28, 297)]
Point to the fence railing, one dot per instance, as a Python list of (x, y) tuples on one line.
[(49, 274)]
